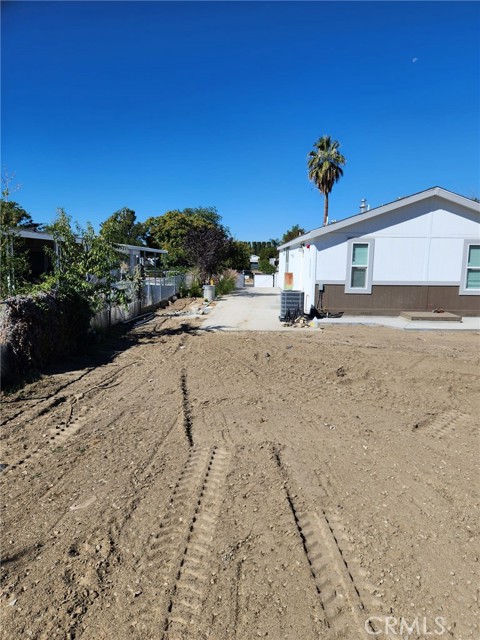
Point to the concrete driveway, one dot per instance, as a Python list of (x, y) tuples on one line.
[(252, 309), (247, 309)]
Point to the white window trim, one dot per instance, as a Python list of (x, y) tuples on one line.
[(463, 282), (368, 284)]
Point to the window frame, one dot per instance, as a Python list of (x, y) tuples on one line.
[(465, 268), (368, 267)]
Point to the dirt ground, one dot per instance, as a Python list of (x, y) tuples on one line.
[(191, 484)]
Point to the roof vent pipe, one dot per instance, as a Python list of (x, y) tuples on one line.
[(363, 205)]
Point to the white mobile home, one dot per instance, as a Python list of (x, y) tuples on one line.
[(420, 253)]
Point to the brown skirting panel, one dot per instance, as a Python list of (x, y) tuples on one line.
[(391, 299)]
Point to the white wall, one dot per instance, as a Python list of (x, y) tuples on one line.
[(421, 243), (295, 265), (262, 280), (281, 269)]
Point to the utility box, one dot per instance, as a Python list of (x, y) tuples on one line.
[(290, 301)]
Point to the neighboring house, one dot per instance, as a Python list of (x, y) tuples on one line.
[(34, 243), (145, 256), (418, 253), (254, 260)]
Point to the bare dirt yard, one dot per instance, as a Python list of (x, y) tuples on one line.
[(312, 484)]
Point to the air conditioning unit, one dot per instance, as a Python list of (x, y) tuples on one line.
[(290, 301)]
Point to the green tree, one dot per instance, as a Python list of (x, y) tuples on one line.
[(122, 228), (13, 215), (293, 233), (268, 252), (265, 254), (257, 245), (265, 266), (170, 230), (325, 167), (238, 255), (209, 215), (84, 264)]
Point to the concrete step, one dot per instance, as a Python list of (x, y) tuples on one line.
[(430, 316)]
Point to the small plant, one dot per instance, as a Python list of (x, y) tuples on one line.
[(195, 290), (226, 283), (183, 290)]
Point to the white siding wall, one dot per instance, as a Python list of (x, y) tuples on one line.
[(445, 260), (397, 261), (281, 268), (332, 256), (295, 265), (418, 244)]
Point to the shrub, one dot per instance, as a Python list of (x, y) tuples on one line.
[(265, 267), (39, 328), (195, 290), (226, 283), (183, 290)]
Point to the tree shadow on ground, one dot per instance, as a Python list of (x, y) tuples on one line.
[(101, 349)]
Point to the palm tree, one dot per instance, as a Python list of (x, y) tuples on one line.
[(325, 167)]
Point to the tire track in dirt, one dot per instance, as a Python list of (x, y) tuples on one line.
[(99, 553), (188, 593), (164, 546), (45, 404), (412, 500), (368, 592), (444, 423), (276, 390), (211, 421), (177, 554), (344, 609), (68, 424), (51, 404), (211, 425), (187, 410), (53, 400)]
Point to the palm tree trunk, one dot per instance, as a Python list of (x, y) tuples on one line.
[(325, 211)]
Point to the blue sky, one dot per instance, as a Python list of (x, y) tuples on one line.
[(166, 105)]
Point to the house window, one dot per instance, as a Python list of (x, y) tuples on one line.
[(359, 268), (471, 269), (358, 278)]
